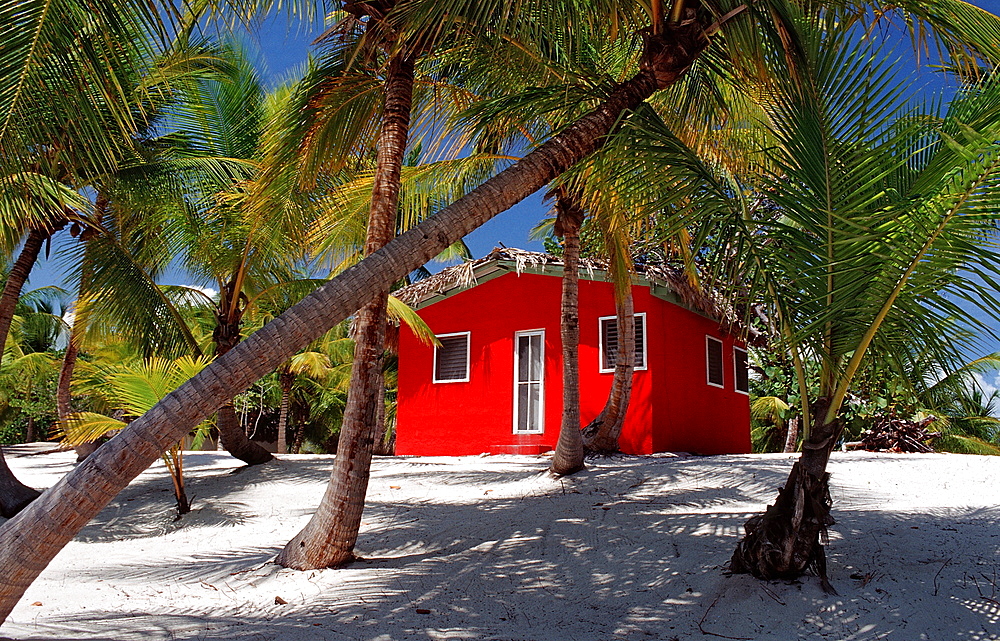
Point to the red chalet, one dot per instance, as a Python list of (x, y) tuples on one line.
[(495, 383)]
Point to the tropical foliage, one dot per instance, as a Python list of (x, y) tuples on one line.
[(849, 217)]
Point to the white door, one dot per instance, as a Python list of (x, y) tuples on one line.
[(529, 390)]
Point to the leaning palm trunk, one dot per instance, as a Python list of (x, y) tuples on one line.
[(328, 539), (601, 436), (568, 457), (232, 436), (14, 495), (29, 541)]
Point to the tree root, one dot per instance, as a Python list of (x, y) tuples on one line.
[(787, 540)]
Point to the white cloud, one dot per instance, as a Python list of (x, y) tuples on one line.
[(989, 383)]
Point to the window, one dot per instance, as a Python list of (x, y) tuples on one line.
[(609, 342), (529, 387), (713, 358), (451, 359), (740, 370)]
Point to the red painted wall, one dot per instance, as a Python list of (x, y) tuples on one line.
[(672, 407)]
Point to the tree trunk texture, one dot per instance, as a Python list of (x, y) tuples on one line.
[(568, 457), (788, 539), (285, 379), (64, 391), (16, 279), (64, 394), (30, 540), (601, 435), (792, 435), (385, 444), (328, 539), (14, 495), (232, 436), (300, 430)]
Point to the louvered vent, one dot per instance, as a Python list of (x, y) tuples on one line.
[(742, 377), (714, 357), (609, 340), (451, 360)]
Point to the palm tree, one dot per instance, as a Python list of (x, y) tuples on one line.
[(873, 221), (130, 389), (568, 457), (30, 540)]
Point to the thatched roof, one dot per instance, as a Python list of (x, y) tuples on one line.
[(665, 281)]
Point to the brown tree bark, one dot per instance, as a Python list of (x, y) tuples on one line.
[(300, 430), (792, 434), (328, 539), (64, 395), (385, 443), (285, 380), (14, 495), (16, 279), (568, 457), (232, 436), (30, 540), (787, 540), (601, 435)]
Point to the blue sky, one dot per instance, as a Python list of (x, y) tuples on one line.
[(282, 49)]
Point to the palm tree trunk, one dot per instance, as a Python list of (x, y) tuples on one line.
[(791, 435), (568, 457), (29, 541), (329, 537), (16, 279), (232, 436), (300, 430), (602, 434), (787, 540), (285, 381), (384, 444), (14, 495), (64, 395)]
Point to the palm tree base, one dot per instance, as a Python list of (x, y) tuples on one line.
[(14, 495), (235, 441), (787, 540)]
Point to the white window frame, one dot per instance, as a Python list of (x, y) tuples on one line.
[(541, 383), (600, 343), (468, 351), (735, 379), (708, 367)]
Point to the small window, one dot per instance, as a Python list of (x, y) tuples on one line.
[(713, 358), (451, 360), (529, 382), (740, 370), (609, 342)]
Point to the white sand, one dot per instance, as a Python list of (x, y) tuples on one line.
[(632, 548)]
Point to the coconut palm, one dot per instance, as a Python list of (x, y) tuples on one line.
[(31, 539), (129, 390), (871, 221)]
